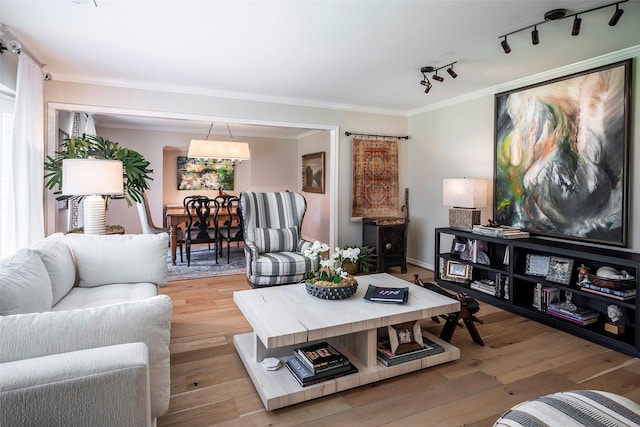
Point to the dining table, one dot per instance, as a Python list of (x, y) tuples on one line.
[(176, 215)]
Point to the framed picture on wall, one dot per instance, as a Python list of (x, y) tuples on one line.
[(204, 174), (313, 172), (561, 161)]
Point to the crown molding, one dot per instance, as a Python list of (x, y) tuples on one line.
[(242, 96)]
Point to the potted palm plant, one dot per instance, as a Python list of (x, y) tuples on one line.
[(135, 168)]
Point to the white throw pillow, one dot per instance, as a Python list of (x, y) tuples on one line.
[(57, 258), (276, 239), (25, 286), (149, 321), (128, 258)]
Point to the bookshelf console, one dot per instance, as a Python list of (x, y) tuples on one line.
[(518, 268), (286, 317)]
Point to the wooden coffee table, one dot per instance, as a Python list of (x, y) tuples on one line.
[(285, 317)]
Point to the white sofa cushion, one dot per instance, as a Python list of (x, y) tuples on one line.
[(105, 295), (128, 258), (25, 286), (106, 386), (57, 258), (147, 321)]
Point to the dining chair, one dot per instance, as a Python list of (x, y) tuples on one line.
[(231, 230), (202, 226), (148, 227)]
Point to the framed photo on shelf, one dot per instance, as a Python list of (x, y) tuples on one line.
[(456, 271), (560, 270), (537, 265), (313, 172), (405, 337), (459, 246)]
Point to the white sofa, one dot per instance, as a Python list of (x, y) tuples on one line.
[(84, 335)]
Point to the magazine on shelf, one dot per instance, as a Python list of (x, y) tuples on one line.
[(384, 294), (320, 357), (572, 319), (486, 286), (579, 313), (388, 358), (608, 292), (503, 231), (305, 377)]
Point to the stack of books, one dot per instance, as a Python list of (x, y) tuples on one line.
[(503, 231), (608, 292), (486, 286), (580, 316), (388, 358), (317, 363)]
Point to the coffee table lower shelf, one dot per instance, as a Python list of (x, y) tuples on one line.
[(278, 388)]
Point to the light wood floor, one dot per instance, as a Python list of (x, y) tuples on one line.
[(522, 359)]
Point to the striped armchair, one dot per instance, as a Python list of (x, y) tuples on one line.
[(273, 247)]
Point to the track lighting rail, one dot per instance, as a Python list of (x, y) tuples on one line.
[(560, 14), (428, 69)]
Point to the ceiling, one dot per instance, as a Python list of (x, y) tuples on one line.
[(357, 55)]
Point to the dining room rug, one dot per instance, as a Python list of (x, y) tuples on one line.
[(203, 264)]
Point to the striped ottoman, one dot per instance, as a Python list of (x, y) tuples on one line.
[(588, 408)]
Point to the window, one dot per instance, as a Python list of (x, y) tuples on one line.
[(6, 167)]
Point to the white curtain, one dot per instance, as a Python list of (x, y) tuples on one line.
[(26, 210)]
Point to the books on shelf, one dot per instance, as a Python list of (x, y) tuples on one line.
[(306, 377), (503, 231), (320, 357), (388, 358), (581, 315), (383, 294), (621, 295), (544, 296), (486, 286)]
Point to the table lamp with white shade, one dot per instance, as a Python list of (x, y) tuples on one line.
[(92, 178), (465, 196)]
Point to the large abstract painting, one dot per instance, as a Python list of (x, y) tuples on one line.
[(375, 178), (561, 156), (204, 174)]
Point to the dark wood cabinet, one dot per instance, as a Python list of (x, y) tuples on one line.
[(388, 238), (511, 274)]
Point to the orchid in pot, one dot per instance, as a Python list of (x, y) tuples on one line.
[(331, 272)]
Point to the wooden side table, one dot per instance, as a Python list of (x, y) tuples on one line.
[(388, 238)]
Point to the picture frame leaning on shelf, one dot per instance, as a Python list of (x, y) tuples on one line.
[(456, 271)]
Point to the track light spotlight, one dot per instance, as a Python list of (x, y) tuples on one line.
[(505, 45), (451, 72), (616, 15), (535, 38), (576, 26), (437, 77), (427, 85)]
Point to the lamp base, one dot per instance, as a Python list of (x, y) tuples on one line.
[(94, 215), (463, 218)]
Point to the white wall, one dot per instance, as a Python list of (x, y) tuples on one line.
[(316, 220), (452, 142)]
